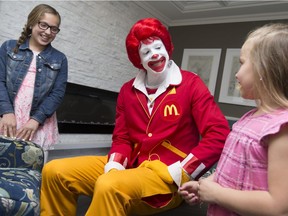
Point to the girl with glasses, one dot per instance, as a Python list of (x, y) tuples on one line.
[(33, 77)]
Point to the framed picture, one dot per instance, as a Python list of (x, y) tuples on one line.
[(205, 63), (229, 92)]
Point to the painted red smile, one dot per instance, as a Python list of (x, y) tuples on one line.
[(158, 65)]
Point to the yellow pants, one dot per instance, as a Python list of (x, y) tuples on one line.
[(114, 193)]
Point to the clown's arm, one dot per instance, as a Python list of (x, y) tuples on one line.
[(121, 149), (213, 128)]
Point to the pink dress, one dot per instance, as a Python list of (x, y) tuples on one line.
[(47, 134), (244, 160)]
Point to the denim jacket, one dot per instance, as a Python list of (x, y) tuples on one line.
[(50, 81)]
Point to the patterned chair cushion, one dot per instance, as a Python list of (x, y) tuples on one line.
[(20, 154), (20, 177), (19, 191)]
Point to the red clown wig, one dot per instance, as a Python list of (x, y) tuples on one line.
[(142, 30)]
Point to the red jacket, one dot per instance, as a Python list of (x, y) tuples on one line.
[(185, 119)]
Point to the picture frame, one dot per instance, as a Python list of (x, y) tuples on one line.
[(229, 93), (205, 63)]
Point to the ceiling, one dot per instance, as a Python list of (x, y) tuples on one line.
[(177, 13)]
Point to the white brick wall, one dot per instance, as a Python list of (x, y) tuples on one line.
[(92, 36)]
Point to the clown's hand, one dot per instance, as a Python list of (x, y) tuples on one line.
[(178, 173), (112, 165), (160, 168)]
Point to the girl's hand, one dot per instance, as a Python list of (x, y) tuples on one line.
[(189, 192), (208, 190), (8, 125), (28, 130)]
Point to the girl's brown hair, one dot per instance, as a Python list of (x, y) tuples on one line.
[(33, 19)]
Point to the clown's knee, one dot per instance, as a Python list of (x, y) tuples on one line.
[(53, 168), (105, 184)]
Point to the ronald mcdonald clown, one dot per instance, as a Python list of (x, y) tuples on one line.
[(168, 130)]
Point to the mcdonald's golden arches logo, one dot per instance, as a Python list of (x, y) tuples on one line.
[(171, 111)]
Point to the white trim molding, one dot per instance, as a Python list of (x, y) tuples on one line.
[(81, 141), (183, 13)]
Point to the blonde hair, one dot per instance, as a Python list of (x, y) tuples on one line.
[(269, 58), (33, 18)]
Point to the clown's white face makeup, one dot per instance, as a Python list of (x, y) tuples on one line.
[(154, 56)]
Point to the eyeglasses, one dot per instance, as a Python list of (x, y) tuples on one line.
[(45, 26)]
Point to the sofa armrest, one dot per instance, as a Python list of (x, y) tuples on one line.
[(16, 153)]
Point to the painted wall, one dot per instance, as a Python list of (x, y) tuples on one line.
[(92, 36), (224, 36)]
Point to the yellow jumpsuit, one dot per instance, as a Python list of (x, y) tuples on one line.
[(116, 193)]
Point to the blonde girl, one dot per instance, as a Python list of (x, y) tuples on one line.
[(252, 176)]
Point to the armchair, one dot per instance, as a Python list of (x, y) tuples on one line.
[(21, 163)]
